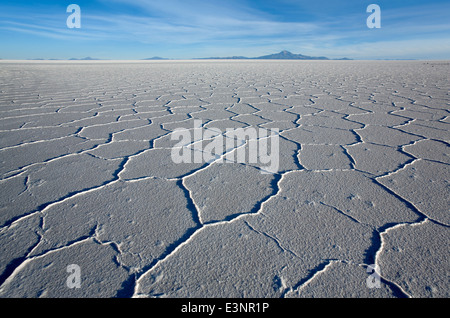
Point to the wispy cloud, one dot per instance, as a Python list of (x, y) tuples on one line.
[(195, 28), (201, 21)]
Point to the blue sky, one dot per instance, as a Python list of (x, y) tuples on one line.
[(137, 29)]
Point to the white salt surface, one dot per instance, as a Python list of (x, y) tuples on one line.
[(87, 178)]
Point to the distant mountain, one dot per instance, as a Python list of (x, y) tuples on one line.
[(224, 58), (283, 55), (155, 58), (286, 55), (83, 59), (71, 59)]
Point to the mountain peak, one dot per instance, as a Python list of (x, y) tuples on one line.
[(156, 58), (286, 55)]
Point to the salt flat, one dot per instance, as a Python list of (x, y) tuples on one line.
[(87, 178)]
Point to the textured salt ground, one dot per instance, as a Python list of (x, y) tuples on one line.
[(87, 179)]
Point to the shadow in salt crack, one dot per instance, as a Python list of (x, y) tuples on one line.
[(9, 269), (128, 286)]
